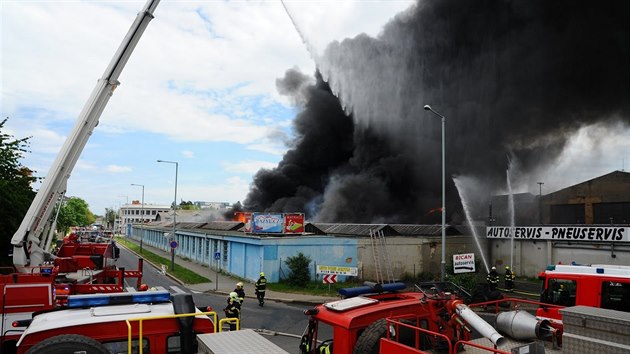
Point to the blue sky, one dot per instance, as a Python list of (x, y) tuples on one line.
[(199, 89)]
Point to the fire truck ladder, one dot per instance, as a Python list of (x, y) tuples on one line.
[(379, 250)]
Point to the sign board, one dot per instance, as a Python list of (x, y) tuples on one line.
[(463, 263), (338, 270), (267, 223), (217, 255), (330, 278), (294, 223), (561, 233), (173, 244)]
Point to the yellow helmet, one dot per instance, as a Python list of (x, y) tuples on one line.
[(262, 274), (507, 267), (233, 295)]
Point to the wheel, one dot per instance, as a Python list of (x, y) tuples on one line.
[(68, 344), (368, 342)]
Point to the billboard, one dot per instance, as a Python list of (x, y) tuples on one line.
[(463, 263), (293, 223), (561, 233), (268, 223)]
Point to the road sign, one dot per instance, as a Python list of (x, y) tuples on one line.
[(330, 278), (217, 255), (173, 244), (463, 263)]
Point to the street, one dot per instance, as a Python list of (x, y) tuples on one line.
[(283, 318)]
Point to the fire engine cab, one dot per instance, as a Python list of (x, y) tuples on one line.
[(596, 285), (118, 323)]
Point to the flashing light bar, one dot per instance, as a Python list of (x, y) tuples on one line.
[(46, 271), (94, 300)]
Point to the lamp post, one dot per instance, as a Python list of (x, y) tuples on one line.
[(142, 214), (174, 212), (443, 265), (540, 202)]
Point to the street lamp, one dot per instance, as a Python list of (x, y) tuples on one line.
[(142, 214), (443, 265), (174, 212)]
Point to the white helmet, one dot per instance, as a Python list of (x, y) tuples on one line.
[(239, 284), (494, 268)]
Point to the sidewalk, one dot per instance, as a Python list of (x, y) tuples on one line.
[(224, 284)]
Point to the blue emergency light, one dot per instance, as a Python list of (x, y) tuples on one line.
[(94, 300)]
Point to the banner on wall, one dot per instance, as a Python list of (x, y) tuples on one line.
[(561, 233), (294, 223), (267, 223)]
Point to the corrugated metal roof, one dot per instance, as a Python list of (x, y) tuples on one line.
[(223, 225), (354, 229)]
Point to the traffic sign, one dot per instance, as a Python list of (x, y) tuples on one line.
[(173, 244), (330, 278), (217, 255)]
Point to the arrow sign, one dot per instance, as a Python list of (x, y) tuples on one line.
[(330, 278)]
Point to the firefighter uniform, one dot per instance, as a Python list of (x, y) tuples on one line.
[(493, 279), (240, 292), (233, 309), (261, 286), (509, 279)]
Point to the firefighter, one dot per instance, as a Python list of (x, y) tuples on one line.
[(240, 292), (509, 279), (493, 279), (261, 286), (233, 309)]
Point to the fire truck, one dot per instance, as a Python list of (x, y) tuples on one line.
[(596, 285), (132, 322), (41, 280), (434, 319)]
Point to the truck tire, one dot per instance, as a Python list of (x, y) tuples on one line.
[(68, 344), (368, 342)]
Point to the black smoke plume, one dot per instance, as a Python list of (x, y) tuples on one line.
[(513, 78)]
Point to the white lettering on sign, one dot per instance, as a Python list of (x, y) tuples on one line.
[(463, 263)]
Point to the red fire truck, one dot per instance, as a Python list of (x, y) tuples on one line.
[(40, 278), (118, 323), (596, 285)]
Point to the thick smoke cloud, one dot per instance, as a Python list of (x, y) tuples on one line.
[(513, 78)]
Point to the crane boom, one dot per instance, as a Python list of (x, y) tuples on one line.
[(26, 241)]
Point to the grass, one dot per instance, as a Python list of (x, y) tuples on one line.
[(181, 273)]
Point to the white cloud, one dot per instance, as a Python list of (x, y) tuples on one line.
[(247, 166), (118, 169), (188, 154)]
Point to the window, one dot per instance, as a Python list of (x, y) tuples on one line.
[(173, 345), (121, 346), (225, 251), (615, 296), (560, 292)]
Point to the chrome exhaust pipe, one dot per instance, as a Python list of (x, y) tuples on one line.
[(521, 324)]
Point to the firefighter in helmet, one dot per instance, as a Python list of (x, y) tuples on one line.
[(260, 287), (240, 292), (509, 279), (233, 309), (493, 279)]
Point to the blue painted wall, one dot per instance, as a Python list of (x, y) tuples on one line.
[(248, 256)]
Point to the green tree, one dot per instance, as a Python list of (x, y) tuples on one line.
[(110, 218), (74, 212), (16, 193), (188, 206), (299, 274)]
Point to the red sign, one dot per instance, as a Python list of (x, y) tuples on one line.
[(330, 278), (293, 223)]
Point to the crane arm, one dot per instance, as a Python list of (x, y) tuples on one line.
[(26, 241)]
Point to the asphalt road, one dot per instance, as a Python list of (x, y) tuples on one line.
[(285, 319)]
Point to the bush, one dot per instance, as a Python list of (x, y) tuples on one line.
[(299, 270)]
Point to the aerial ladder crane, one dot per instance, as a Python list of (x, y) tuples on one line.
[(30, 241)]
